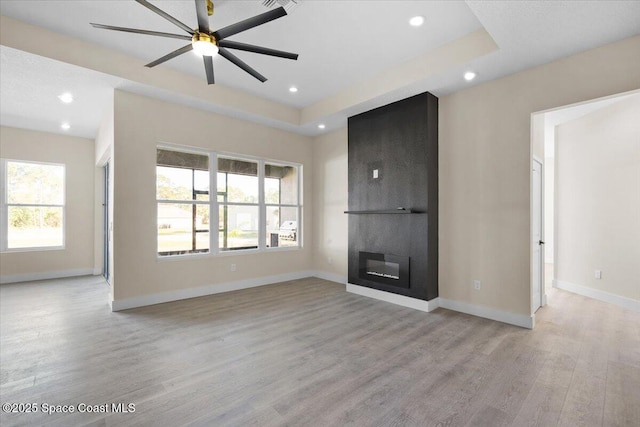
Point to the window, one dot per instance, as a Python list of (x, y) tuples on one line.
[(33, 205), (257, 204), (281, 200), (182, 192), (238, 204)]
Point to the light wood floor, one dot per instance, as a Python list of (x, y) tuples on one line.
[(307, 353)]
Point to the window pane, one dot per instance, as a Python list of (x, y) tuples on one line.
[(242, 188), (176, 228), (35, 183), (287, 186), (201, 184), (202, 227), (238, 227), (273, 225), (222, 183), (272, 190), (241, 180), (282, 226), (33, 226), (174, 183)]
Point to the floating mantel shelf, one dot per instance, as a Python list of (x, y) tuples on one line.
[(384, 211)]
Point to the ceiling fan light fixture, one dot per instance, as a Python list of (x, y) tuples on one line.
[(204, 44)]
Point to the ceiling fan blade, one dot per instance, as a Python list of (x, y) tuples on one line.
[(257, 49), (165, 15), (208, 68), (147, 32), (203, 16), (240, 63), (247, 24), (168, 56)]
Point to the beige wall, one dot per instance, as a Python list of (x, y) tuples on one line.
[(330, 228), (485, 158), (598, 200), (77, 155), (140, 124)]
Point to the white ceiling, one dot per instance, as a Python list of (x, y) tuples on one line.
[(29, 90), (340, 43)]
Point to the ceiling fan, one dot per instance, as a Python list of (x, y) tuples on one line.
[(209, 43)]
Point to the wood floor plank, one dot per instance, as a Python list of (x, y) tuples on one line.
[(542, 407), (305, 352)]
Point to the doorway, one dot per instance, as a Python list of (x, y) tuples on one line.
[(573, 259)]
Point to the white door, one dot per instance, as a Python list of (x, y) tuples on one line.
[(537, 277)]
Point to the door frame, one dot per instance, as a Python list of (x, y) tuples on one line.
[(106, 220), (537, 204)]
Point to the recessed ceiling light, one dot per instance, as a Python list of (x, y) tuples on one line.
[(321, 126), (416, 21), (66, 97), (65, 126), (469, 75), (293, 89)]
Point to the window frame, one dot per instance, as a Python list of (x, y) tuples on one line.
[(214, 205), (5, 205)]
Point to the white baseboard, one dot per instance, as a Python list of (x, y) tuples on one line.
[(16, 278), (624, 302), (416, 304), (462, 307), (521, 320), (159, 298), (97, 271), (330, 277)]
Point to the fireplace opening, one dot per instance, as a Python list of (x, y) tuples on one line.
[(384, 268)]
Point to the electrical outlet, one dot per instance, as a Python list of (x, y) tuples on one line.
[(477, 284), (329, 260), (233, 267), (598, 274)]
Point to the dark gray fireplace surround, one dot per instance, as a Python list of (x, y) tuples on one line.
[(393, 197)]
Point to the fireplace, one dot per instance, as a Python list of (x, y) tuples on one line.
[(384, 268), (393, 199)]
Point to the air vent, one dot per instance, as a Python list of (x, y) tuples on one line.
[(289, 5)]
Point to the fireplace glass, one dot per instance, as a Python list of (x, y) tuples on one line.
[(384, 268)]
